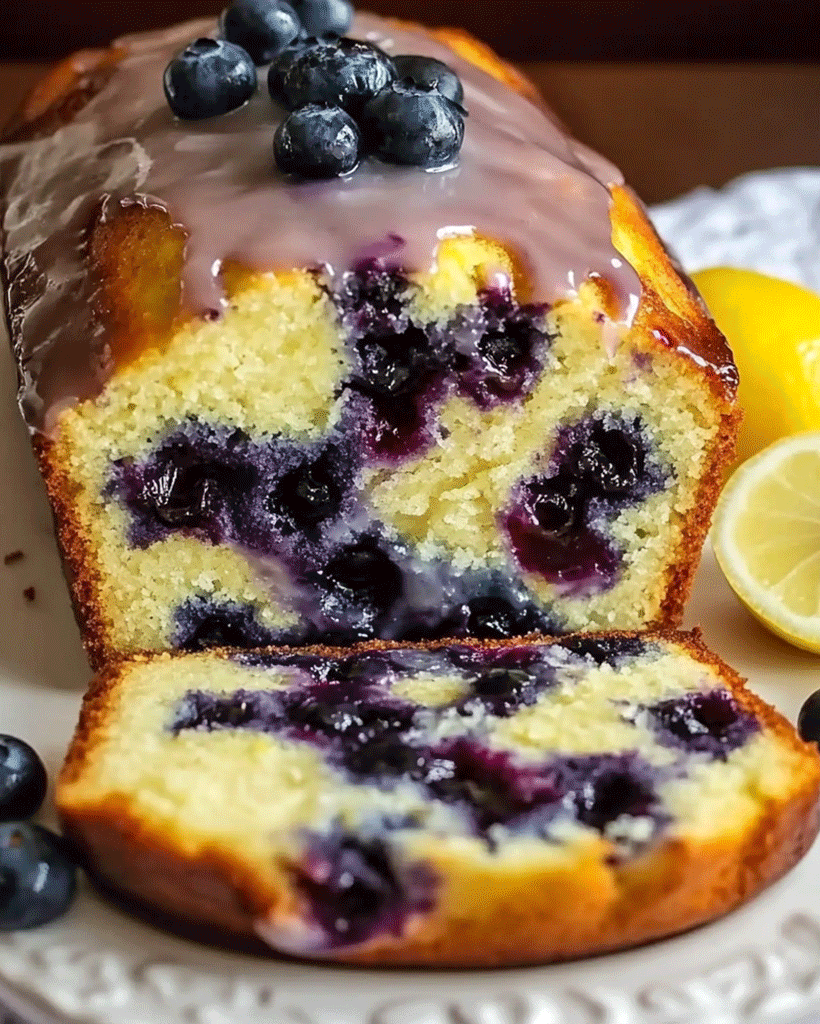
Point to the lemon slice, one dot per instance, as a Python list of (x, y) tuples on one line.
[(773, 328), (766, 535)]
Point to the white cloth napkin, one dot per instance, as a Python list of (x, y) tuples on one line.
[(767, 221)]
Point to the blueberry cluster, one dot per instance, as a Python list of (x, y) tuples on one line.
[(37, 878), (346, 99), (600, 466), (348, 712)]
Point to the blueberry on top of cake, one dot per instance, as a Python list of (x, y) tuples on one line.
[(467, 803), (327, 331)]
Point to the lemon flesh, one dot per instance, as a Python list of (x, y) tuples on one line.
[(766, 536), (773, 328)]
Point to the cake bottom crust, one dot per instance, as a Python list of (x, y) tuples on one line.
[(553, 917)]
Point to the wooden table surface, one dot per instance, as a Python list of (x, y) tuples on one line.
[(669, 127)]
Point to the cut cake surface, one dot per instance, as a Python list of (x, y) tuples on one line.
[(462, 805)]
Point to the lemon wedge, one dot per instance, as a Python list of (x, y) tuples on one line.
[(766, 536), (773, 328)]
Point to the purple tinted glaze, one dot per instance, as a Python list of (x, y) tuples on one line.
[(356, 891), (710, 723)]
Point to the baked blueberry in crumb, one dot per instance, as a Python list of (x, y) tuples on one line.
[(372, 299), (202, 624), (354, 891), (609, 461), (608, 650), (555, 524), (309, 495), (710, 723), (209, 78), (500, 350), (357, 588), (493, 617)]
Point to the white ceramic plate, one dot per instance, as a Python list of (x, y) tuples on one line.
[(762, 964)]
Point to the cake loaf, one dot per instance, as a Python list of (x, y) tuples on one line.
[(476, 399), (470, 804)]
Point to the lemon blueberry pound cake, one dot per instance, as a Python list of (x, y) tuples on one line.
[(390, 804), (358, 344)]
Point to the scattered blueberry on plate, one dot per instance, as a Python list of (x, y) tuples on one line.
[(209, 78), (23, 780), (37, 879), (261, 27), (317, 142), (430, 73)]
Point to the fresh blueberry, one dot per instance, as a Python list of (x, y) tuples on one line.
[(808, 722), (280, 65), (344, 74), (23, 780), (209, 78), (428, 72), (317, 142), (37, 880), (406, 124), (391, 364), (308, 495), (320, 17), (261, 27), (609, 461), (553, 504)]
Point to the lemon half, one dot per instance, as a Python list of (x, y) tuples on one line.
[(773, 328), (766, 536)]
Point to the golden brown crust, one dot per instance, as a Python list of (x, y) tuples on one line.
[(136, 257), (564, 914)]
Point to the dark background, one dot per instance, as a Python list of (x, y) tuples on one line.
[(614, 30)]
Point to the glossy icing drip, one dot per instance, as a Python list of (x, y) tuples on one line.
[(520, 180)]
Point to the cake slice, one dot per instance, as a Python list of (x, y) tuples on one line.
[(473, 804), (398, 404)]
